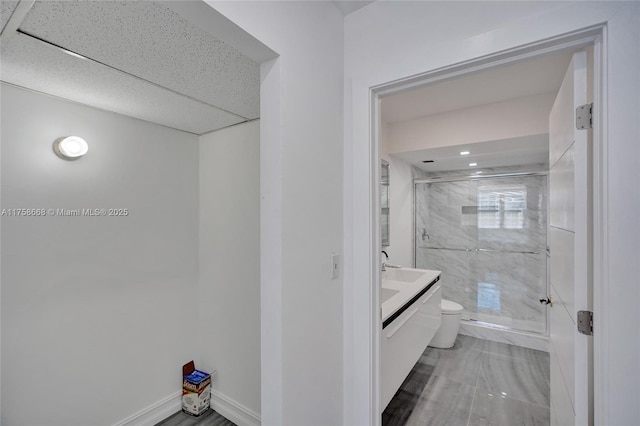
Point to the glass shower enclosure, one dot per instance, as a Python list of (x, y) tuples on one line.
[(488, 236)]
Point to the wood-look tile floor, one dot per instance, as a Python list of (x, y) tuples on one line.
[(210, 418), (475, 383)]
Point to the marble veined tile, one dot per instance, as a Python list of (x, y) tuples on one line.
[(461, 363), (418, 378), (527, 340), (504, 349), (408, 396), (522, 379), (432, 395), (444, 402), (509, 285), (503, 285), (422, 258), (468, 343), (455, 279), (491, 409), (400, 408), (439, 213)]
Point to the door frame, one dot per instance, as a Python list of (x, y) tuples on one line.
[(595, 36)]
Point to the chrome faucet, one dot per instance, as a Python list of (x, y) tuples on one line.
[(384, 264)]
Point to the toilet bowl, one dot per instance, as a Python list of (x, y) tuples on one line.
[(451, 315)]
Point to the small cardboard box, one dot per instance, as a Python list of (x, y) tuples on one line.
[(196, 390)]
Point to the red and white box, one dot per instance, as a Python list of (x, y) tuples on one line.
[(196, 390)]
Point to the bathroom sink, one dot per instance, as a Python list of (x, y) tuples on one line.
[(387, 293), (403, 275)]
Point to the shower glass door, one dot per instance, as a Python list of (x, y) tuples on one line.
[(488, 237)]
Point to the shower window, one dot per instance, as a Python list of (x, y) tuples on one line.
[(488, 209), (501, 207)]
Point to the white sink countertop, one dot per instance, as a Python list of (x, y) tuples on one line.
[(400, 285)]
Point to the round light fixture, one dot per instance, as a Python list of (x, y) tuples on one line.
[(70, 147)]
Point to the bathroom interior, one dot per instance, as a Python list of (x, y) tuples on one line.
[(465, 192)]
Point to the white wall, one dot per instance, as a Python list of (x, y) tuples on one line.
[(229, 268), (500, 120), (301, 195), (388, 41), (621, 297), (97, 312)]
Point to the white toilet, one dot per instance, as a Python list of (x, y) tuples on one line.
[(451, 315)]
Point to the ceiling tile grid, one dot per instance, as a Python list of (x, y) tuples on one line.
[(149, 40), (30, 63), (6, 10)]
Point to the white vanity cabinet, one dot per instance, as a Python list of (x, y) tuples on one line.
[(406, 334)]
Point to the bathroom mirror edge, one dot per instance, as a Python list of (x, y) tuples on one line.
[(385, 222)]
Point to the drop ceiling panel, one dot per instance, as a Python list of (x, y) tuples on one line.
[(6, 10), (149, 40), (27, 62)]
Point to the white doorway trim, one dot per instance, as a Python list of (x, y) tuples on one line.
[(595, 35)]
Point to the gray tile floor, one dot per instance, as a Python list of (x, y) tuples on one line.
[(477, 382), (210, 418)]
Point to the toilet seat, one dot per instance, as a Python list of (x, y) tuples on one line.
[(450, 308)]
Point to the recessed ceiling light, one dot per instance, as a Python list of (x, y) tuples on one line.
[(478, 172), (473, 164), (464, 152), (70, 147)]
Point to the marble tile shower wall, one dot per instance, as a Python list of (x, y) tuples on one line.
[(508, 218)]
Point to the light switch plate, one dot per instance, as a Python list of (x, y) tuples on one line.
[(335, 266)]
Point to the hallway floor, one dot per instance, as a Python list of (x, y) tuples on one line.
[(477, 382), (210, 418)]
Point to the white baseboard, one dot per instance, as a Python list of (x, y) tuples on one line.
[(155, 413), (237, 413)]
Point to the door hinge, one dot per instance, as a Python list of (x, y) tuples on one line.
[(584, 117), (585, 322)]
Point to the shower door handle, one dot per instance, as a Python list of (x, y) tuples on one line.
[(547, 301)]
